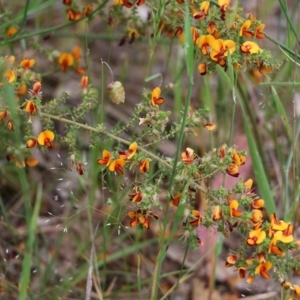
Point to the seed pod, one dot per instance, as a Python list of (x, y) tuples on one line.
[(116, 92), (80, 168)]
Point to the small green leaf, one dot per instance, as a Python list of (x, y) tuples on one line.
[(281, 111), (224, 76), (153, 77)]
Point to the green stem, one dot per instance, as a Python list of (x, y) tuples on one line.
[(24, 18), (287, 49), (163, 248), (123, 141)]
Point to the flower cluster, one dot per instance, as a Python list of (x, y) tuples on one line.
[(218, 41), (20, 77), (218, 32), (71, 59), (268, 240), (73, 12), (221, 38), (117, 164)]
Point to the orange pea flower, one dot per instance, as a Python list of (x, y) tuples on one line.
[(222, 151), (195, 34), (244, 29), (262, 269), (204, 6), (106, 158), (199, 15), (285, 236), (197, 218), (142, 217), (234, 212), (125, 3), (76, 52), (10, 75), (211, 28), (238, 159), (202, 68), (10, 60), (140, 2), (88, 9), (258, 31), (74, 15), (11, 31), (3, 115), (133, 34), (296, 290), (242, 271), (264, 69), (233, 170), (22, 89), (250, 279), (257, 203), (45, 138), (248, 184), (276, 225), (31, 143), (275, 249), (256, 216), (286, 285), (31, 162), (118, 2), (204, 42), (217, 213), (127, 154), (116, 166), (220, 49), (67, 2), (256, 237), (65, 60), (188, 156), (84, 84), (137, 196), (231, 260), (155, 97), (144, 166), (209, 126), (27, 63), (223, 2), (137, 217), (175, 200), (31, 107), (250, 48), (36, 89)]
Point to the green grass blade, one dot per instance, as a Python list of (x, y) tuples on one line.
[(259, 171), (281, 111), (224, 76), (26, 265), (290, 84), (188, 44)]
